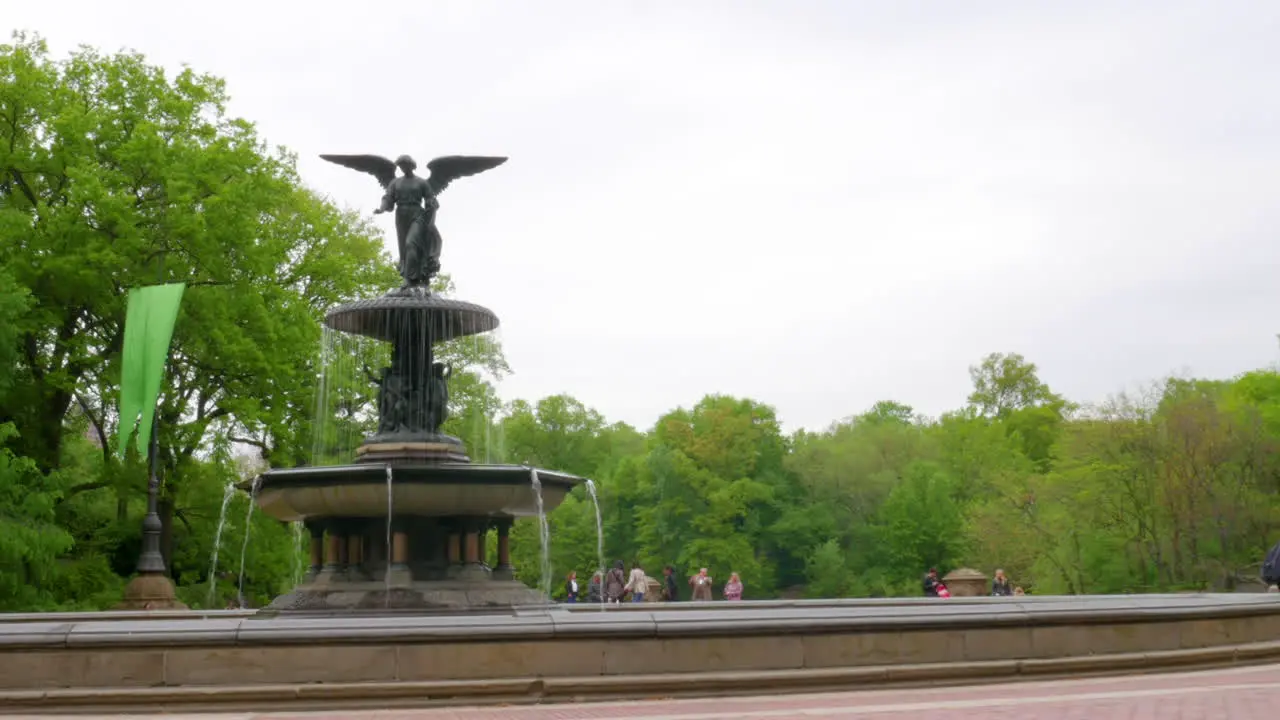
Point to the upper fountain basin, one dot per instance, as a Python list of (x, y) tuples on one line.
[(434, 490), (386, 317)]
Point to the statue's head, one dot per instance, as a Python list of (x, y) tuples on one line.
[(406, 163)]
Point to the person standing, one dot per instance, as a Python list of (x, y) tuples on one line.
[(701, 584), (931, 583), (733, 588), (595, 588), (1000, 586), (615, 584), (1271, 569), (571, 587), (670, 591), (637, 584)]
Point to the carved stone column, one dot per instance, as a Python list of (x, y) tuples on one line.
[(471, 543), (355, 556), (453, 547), (316, 531), (400, 573), (473, 567), (334, 548), (504, 571)]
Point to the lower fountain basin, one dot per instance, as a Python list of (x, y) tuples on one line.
[(430, 490)]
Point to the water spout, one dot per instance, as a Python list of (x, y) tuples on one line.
[(227, 493), (544, 531), (299, 549), (386, 580), (248, 526), (591, 490)]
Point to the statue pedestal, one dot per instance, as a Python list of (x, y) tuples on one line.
[(966, 582), (420, 449), (150, 592)]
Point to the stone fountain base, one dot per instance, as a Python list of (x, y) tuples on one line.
[(430, 596), (436, 542)]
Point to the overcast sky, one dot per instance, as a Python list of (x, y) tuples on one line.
[(817, 204)]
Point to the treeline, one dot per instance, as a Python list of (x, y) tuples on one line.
[(1177, 488), (114, 174)]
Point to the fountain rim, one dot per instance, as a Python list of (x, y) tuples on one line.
[(357, 317), (444, 473)]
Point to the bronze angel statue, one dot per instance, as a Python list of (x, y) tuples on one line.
[(414, 200)]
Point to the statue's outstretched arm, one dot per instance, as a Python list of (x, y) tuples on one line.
[(388, 200)]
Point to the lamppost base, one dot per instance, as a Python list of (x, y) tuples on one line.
[(150, 592)]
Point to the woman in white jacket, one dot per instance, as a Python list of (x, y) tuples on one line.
[(637, 584)]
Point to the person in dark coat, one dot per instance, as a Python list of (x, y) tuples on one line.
[(1271, 568), (615, 583), (1000, 586), (595, 589), (670, 591), (571, 587), (931, 583)]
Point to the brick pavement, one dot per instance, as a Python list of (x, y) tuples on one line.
[(1233, 694)]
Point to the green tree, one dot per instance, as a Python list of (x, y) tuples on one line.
[(826, 571), (921, 524), (114, 174), (1007, 388), (30, 540)]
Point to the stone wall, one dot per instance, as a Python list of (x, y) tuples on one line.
[(636, 651)]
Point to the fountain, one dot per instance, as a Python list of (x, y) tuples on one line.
[(404, 526)]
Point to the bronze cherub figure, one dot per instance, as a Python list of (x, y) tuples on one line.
[(414, 200)]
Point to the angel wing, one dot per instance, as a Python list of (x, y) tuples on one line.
[(445, 170), (376, 165)]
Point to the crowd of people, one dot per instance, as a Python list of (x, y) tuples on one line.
[(617, 586)]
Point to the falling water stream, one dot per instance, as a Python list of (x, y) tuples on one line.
[(227, 493), (299, 550), (244, 548), (386, 579), (544, 531), (591, 490)]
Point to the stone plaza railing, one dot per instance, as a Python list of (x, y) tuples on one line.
[(260, 662)]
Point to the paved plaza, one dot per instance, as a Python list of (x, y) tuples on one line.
[(1233, 694)]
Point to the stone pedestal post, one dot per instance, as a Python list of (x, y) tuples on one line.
[(966, 582)]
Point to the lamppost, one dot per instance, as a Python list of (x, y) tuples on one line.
[(151, 588), (151, 560), (152, 312)]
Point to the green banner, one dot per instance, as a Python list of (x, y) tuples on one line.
[(148, 327)]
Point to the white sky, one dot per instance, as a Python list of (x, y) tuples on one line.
[(814, 204)]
